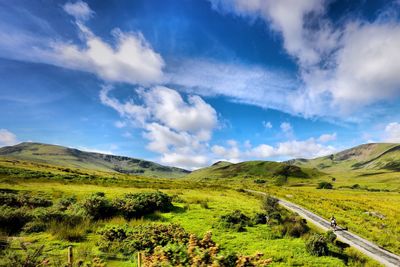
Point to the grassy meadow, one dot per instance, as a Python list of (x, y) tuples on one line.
[(198, 207)]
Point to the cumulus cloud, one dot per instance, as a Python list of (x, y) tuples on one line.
[(287, 129), (7, 138), (230, 153), (392, 132), (80, 10), (343, 68), (177, 129), (309, 148)]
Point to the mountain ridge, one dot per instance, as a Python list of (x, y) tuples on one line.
[(72, 157)]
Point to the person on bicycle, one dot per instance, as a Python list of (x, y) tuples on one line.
[(333, 222)]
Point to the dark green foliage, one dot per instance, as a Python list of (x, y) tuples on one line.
[(355, 186), (269, 204), (330, 236), (235, 220), (98, 207), (260, 218), (34, 227), (294, 226), (66, 202), (19, 200), (260, 181), (12, 220), (290, 171), (140, 204), (324, 185), (142, 237), (31, 257), (316, 245)]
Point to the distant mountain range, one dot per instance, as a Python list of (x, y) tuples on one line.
[(364, 158), (74, 158)]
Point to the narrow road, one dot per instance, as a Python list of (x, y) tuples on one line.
[(381, 255)]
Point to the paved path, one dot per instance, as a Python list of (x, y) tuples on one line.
[(381, 255)]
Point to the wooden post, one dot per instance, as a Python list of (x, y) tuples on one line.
[(70, 256), (139, 259)]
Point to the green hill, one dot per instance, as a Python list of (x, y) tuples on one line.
[(254, 170), (363, 158), (74, 158)]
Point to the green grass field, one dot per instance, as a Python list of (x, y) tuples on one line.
[(198, 208)]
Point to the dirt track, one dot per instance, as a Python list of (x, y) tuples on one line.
[(381, 255)]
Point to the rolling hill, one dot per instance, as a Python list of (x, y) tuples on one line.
[(268, 170), (74, 158), (362, 158)]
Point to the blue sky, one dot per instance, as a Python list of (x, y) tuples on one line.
[(189, 82)]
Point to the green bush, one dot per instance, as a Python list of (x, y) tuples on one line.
[(260, 181), (34, 227), (270, 204), (19, 200), (98, 207), (324, 185), (144, 237), (260, 218), (12, 220), (140, 204), (235, 220), (330, 236), (316, 245), (66, 202)]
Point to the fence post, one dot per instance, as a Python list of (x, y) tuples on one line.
[(70, 256), (139, 259)]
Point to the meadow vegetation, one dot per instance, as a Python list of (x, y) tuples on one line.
[(109, 218)]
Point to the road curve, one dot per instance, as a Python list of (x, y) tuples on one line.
[(381, 255)]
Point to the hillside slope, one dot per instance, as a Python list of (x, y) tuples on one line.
[(253, 169), (363, 158), (74, 158)]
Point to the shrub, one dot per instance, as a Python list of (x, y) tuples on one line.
[(235, 220), (30, 257), (140, 204), (69, 232), (97, 206), (12, 220), (34, 227), (66, 202), (18, 200), (294, 226), (324, 185), (260, 181), (142, 237), (330, 236), (270, 204), (316, 245), (355, 186), (260, 218)]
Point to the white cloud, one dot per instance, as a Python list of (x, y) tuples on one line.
[(327, 138), (177, 129), (267, 124), (127, 57), (287, 129), (392, 132), (7, 138), (343, 68), (80, 10), (309, 148), (96, 150), (249, 84), (231, 153)]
